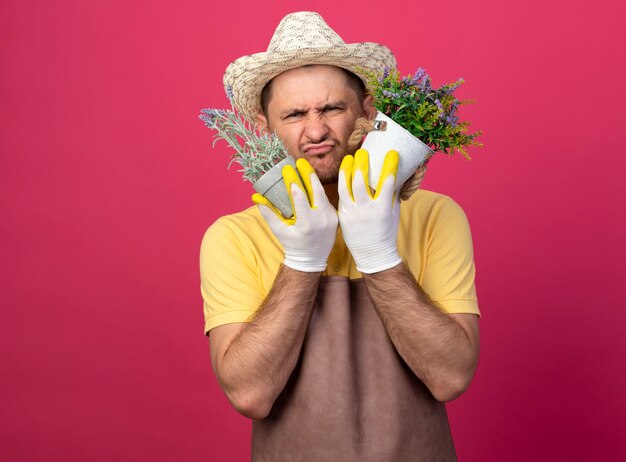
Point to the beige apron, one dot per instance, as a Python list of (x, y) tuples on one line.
[(351, 396)]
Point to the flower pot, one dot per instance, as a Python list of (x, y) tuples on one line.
[(272, 186), (388, 135)]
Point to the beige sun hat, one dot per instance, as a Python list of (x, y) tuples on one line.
[(301, 38)]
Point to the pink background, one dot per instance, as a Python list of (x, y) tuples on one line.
[(108, 181)]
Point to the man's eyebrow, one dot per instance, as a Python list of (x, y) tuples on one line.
[(338, 103), (329, 105), (293, 110)]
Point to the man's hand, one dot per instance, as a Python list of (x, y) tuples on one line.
[(254, 360), (308, 237), (369, 224), (441, 349)]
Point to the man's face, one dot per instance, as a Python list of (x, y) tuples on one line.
[(313, 110)]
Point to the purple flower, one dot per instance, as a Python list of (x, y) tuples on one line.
[(452, 120), (440, 107), (229, 92), (210, 116), (419, 74), (390, 94), (449, 89), (424, 85), (382, 78)]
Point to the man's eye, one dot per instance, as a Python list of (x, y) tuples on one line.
[(331, 108), (294, 115)]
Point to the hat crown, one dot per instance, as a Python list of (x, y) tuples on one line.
[(304, 29), (302, 38)]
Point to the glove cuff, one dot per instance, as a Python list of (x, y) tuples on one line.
[(381, 267), (309, 261), (376, 258), (306, 267)]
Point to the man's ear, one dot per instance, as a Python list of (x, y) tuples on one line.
[(369, 111), (261, 124)]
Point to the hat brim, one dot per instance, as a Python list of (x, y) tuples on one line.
[(247, 76)]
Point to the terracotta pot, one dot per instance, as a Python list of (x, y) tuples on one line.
[(388, 135), (272, 186)]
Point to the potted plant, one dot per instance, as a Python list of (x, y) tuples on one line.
[(261, 157), (416, 120)]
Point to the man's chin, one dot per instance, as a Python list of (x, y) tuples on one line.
[(328, 178), (328, 173), (327, 169)]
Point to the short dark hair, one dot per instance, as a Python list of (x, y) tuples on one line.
[(353, 81)]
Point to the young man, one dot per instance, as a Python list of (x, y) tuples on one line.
[(342, 332)]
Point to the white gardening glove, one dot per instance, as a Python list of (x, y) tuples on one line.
[(369, 224), (308, 237)]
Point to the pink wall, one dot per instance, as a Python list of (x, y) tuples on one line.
[(107, 182)]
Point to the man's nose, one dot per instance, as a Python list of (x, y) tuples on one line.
[(316, 128)]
